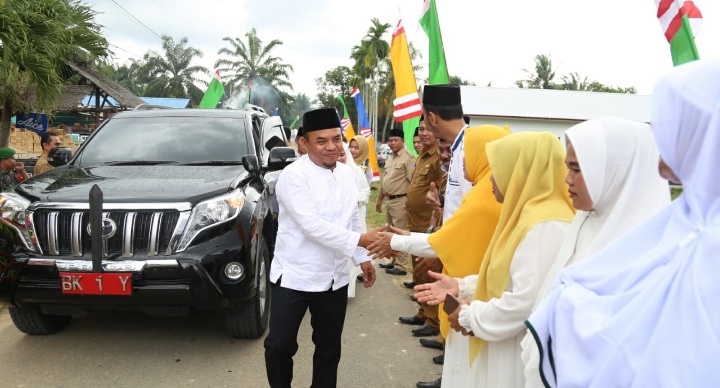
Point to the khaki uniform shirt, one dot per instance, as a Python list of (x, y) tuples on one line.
[(398, 173), (42, 165), (427, 170)]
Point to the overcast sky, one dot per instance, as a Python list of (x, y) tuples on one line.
[(616, 42)]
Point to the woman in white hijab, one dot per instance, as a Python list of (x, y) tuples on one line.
[(643, 312), (614, 185), (363, 198)]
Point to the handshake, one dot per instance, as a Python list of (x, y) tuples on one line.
[(377, 241)]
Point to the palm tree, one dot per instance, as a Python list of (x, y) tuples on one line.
[(370, 61), (542, 77), (574, 81), (172, 74), (37, 39), (253, 62)]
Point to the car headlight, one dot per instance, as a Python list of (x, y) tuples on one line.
[(210, 213), (13, 213)]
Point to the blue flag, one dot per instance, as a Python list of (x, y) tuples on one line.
[(366, 131), (275, 111), (36, 122)]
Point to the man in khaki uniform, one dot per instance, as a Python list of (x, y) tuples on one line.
[(427, 170), (398, 174), (48, 141)]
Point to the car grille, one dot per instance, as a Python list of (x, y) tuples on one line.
[(65, 232)]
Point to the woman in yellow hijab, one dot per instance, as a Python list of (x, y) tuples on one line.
[(462, 240), (360, 151), (528, 179)]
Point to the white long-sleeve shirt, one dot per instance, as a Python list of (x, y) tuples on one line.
[(319, 227), (457, 186)]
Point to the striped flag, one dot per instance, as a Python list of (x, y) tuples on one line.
[(680, 21), (345, 122), (407, 107), (366, 131)]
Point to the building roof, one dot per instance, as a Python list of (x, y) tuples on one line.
[(553, 104), (69, 100), (180, 103), (72, 96), (124, 97)]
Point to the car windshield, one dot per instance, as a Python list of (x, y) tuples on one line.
[(164, 140)]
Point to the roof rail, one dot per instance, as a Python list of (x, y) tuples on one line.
[(151, 106)]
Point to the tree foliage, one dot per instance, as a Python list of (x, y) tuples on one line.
[(172, 73), (253, 62), (37, 39), (543, 77)]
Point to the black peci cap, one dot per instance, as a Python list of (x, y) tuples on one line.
[(441, 95), (319, 119), (397, 133)]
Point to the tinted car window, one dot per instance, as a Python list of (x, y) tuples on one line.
[(177, 139)]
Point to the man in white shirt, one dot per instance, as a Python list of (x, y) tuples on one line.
[(443, 113), (319, 228)]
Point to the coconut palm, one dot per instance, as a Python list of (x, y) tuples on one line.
[(172, 74), (370, 62), (543, 75), (37, 39), (252, 62)]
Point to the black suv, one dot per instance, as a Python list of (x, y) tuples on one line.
[(188, 221)]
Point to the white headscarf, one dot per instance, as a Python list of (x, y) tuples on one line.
[(645, 311), (618, 160)]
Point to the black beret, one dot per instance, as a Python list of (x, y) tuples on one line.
[(319, 119), (422, 117), (441, 95), (397, 133), (417, 132), (300, 131)]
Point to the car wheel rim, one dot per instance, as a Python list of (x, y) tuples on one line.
[(262, 287)]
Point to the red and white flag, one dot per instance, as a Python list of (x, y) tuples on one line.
[(680, 21)]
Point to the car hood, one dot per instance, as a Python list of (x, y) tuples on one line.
[(133, 184)]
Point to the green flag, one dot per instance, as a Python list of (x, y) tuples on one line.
[(680, 21), (213, 94), (431, 25), (682, 45), (294, 121)]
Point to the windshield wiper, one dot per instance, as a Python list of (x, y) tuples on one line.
[(212, 163), (139, 163)]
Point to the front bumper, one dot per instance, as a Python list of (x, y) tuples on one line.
[(159, 286)]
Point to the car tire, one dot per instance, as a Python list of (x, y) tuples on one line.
[(30, 320), (249, 319)]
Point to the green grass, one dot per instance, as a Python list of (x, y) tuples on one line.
[(373, 218)]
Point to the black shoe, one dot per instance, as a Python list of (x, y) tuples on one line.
[(439, 359), (409, 285), (387, 266), (395, 271), (425, 331), (414, 320), (430, 384), (360, 278), (431, 343)]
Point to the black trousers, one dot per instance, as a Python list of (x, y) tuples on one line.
[(287, 309)]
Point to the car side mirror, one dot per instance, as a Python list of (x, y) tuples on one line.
[(251, 164), (281, 157), (59, 156)]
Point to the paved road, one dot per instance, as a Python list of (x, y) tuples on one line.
[(132, 350)]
